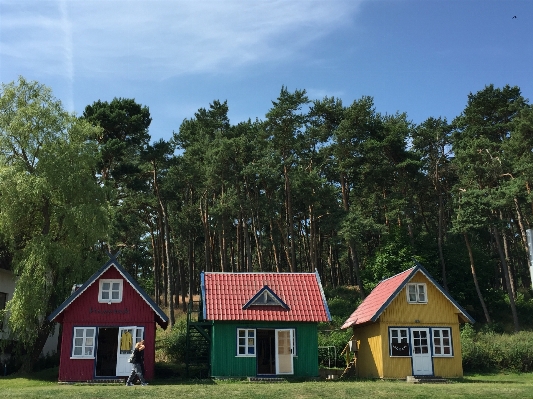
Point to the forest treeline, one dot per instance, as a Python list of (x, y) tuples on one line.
[(315, 185)]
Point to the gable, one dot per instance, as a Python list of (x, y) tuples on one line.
[(266, 297), (84, 304), (438, 309)]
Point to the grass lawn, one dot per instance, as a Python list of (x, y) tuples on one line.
[(44, 385)]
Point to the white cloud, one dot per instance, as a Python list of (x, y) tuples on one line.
[(159, 39)]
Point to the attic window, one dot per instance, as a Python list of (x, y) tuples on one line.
[(110, 290), (265, 297), (416, 293)]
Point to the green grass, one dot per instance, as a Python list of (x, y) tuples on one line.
[(44, 385)]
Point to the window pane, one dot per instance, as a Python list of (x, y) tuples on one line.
[(90, 332), (412, 293), (79, 332), (242, 350), (114, 295), (78, 341), (116, 286), (88, 342), (242, 341), (242, 333), (251, 350), (88, 351), (437, 350), (105, 295), (77, 351), (447, 350), (105, 286)]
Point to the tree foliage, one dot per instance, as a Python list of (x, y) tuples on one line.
[(52, 210)]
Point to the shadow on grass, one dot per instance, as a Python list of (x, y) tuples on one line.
[(47, 375)]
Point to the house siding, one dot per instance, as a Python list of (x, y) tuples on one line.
[(369, 341), (436, 311), (225, 363), (86, 311)]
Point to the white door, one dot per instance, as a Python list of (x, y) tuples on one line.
[(284, 351), (421, 352), (127, 338)]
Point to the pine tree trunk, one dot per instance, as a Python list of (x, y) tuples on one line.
[(507, 280), (439, 241), (474, 276)]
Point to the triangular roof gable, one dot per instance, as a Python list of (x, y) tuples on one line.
[(387, 290), (270, 295), (162, 318)]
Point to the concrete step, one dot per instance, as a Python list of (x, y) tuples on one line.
[(426, 379), (266, 379)]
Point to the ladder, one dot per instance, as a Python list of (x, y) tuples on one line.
[(351, 360)]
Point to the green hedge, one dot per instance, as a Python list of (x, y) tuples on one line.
[(490, 351)]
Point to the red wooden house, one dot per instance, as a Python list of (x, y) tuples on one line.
[(102, 320)]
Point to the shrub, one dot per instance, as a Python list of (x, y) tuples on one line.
[(173, 343), (489, 351)]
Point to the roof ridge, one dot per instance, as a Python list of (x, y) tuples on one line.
[(275, 273)]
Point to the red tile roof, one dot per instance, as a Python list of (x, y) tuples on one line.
[(225, 294), (376, 299), (385, 292)]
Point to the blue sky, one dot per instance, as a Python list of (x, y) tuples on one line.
[(422, 57)]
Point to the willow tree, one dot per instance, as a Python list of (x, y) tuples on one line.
[(51, 207)]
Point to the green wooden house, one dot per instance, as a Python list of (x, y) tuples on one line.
[(263, 324)]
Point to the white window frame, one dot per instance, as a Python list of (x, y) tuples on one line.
[(81, 339), (405, 330), (110, 291), (419, 290), (438, 341), (246, 341)]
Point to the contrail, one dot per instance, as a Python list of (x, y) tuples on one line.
[(68, 53)]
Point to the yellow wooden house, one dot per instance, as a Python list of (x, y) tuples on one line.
[(408, 326)]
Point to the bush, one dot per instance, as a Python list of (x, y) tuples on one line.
[(489, 351), (173, 343)]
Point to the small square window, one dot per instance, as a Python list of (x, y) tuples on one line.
[(416, 293), (110, 291)]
